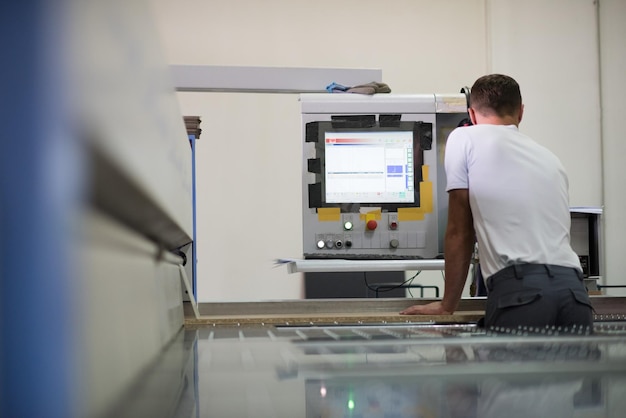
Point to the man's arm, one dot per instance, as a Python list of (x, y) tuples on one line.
[(458, 247)]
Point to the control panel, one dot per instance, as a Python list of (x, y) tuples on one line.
[(373, 178)]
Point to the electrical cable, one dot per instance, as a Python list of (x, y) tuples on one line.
[(407, 281)]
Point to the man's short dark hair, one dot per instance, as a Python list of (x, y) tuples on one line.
[(496, 94)]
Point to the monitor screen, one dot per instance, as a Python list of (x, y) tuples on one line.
[(369, 167)]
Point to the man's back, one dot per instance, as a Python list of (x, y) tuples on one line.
[(511, 194), (518, 195)]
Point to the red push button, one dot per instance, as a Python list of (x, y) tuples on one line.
[(372, 224), (393, 225)]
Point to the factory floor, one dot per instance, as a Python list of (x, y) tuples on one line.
[(362, 366)]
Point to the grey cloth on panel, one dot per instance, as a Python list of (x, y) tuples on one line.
[(370, 88)]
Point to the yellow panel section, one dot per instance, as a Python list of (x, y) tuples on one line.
[(426, 196), (410, 214), (425, 172), (328, 214), (368, 216)]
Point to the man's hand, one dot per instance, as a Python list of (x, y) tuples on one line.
[(434, 308)]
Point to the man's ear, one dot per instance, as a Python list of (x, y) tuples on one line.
[(472, 115), (521, 113)]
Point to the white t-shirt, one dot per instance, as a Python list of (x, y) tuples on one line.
[(518, 193)]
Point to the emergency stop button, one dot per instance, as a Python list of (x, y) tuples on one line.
[(371, 224)]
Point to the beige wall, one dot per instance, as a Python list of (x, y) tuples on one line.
[(421, 47)]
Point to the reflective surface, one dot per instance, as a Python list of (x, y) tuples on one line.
[(385, 371)]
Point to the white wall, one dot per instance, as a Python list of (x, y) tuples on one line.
[(244, 225), (249, 204), (551, 49)]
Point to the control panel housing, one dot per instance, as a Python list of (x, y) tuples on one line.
[(373, 177)]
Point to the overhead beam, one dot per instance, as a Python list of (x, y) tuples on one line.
[(209, 78)]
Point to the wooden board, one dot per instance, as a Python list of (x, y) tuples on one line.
[(305, 319)]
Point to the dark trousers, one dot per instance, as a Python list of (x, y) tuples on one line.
[(538, 296)]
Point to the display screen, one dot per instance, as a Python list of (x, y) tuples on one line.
[(369, 167)]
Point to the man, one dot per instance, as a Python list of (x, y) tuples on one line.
[(511, 194)]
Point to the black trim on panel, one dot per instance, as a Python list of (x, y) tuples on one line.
[(424, 132), (311, 132), (389, 121), (422, 139), (315, 195), (314, 165), (353, 121)]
